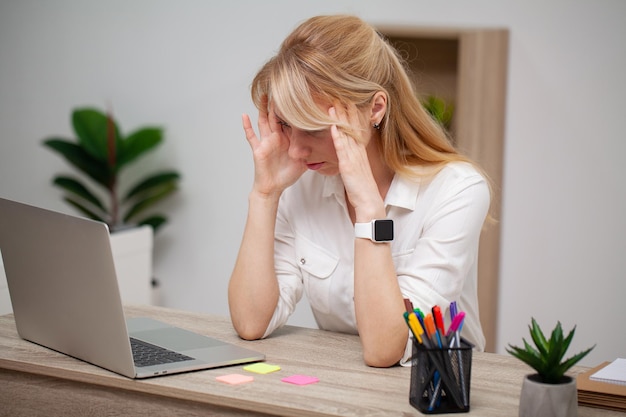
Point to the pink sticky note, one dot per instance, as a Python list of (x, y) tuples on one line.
[(300, 379), (235, 379)]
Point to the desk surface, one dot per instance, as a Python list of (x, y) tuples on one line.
[(38, 381)]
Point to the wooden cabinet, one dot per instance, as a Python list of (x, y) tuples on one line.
[(468, 68)]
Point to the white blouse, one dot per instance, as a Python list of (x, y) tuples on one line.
[(437, 225)]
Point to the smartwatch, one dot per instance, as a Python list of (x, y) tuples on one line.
[(376, 230)]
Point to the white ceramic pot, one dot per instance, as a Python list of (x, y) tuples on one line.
[(539, 399), (132, 254)]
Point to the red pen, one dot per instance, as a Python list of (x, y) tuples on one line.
[(439, 320)]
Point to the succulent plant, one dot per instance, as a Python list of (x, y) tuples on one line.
[(546, 357)]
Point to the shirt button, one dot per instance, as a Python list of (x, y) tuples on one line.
[(302, 261)]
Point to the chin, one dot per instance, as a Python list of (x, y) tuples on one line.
[(329, 172)]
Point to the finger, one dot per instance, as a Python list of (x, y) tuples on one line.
[(341, 114), (349, 115), (264, 125), (335, 130), (332, 113), (273, 121), (347, 121), (249, 130)]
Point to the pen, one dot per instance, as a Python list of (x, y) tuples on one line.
[(431, 330), (438, 317), (460, 360), (407, 305), (454, 329), (420, 317), (458, 325), (453, 310), (414, 325)]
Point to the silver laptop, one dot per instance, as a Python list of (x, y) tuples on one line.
[(64, 291)]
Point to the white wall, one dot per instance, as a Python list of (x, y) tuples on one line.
[(187, 65)]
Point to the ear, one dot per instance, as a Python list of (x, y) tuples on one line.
[(379, 107)]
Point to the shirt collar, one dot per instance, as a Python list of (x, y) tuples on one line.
[(402, 192)]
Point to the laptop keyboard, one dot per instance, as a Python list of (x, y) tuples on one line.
[(146, 354)]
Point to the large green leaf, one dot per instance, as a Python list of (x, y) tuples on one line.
[(569, 362), (77, 188), (153, 182), (538, 338), (149, 201), (138, 143), (91, 127), (555, 346), (79, 158), (85, 210), (527, 357)]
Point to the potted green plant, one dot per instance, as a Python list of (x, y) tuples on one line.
[(549, 391), (101, 154)]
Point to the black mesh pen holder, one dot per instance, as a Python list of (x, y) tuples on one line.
[(440, 378)]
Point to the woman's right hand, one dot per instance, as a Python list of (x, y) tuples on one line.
[(274, 169)]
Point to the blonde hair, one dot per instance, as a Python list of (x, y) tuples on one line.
[(342, 58)]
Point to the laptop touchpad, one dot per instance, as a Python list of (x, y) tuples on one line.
[(176, 339)]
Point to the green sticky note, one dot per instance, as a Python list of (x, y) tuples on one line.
[(261, 368)]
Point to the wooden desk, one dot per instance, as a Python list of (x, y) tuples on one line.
[(35, 381)]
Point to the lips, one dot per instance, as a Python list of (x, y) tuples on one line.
[(315, 166)]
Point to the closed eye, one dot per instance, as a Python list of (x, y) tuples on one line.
[(284, 126)]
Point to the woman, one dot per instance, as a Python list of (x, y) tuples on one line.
[(344, 142)]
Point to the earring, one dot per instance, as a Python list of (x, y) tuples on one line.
[(377, 126)]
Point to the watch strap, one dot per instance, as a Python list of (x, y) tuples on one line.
[(364, 230)]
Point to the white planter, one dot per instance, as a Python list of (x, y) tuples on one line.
[(548, 400), (132, 254)]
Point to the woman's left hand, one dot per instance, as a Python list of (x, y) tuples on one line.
[(354, 165)]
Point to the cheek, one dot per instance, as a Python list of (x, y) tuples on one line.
[(329, 149), (323, 145)]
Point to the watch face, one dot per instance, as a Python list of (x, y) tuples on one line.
[(383, 230)]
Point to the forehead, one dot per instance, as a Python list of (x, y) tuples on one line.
[(295, 109)]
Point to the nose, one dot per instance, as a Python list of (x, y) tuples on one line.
[(299, 146)]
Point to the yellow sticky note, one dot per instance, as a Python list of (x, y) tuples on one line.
[(261, 368)]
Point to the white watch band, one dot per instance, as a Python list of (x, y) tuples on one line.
[(364, 230)]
